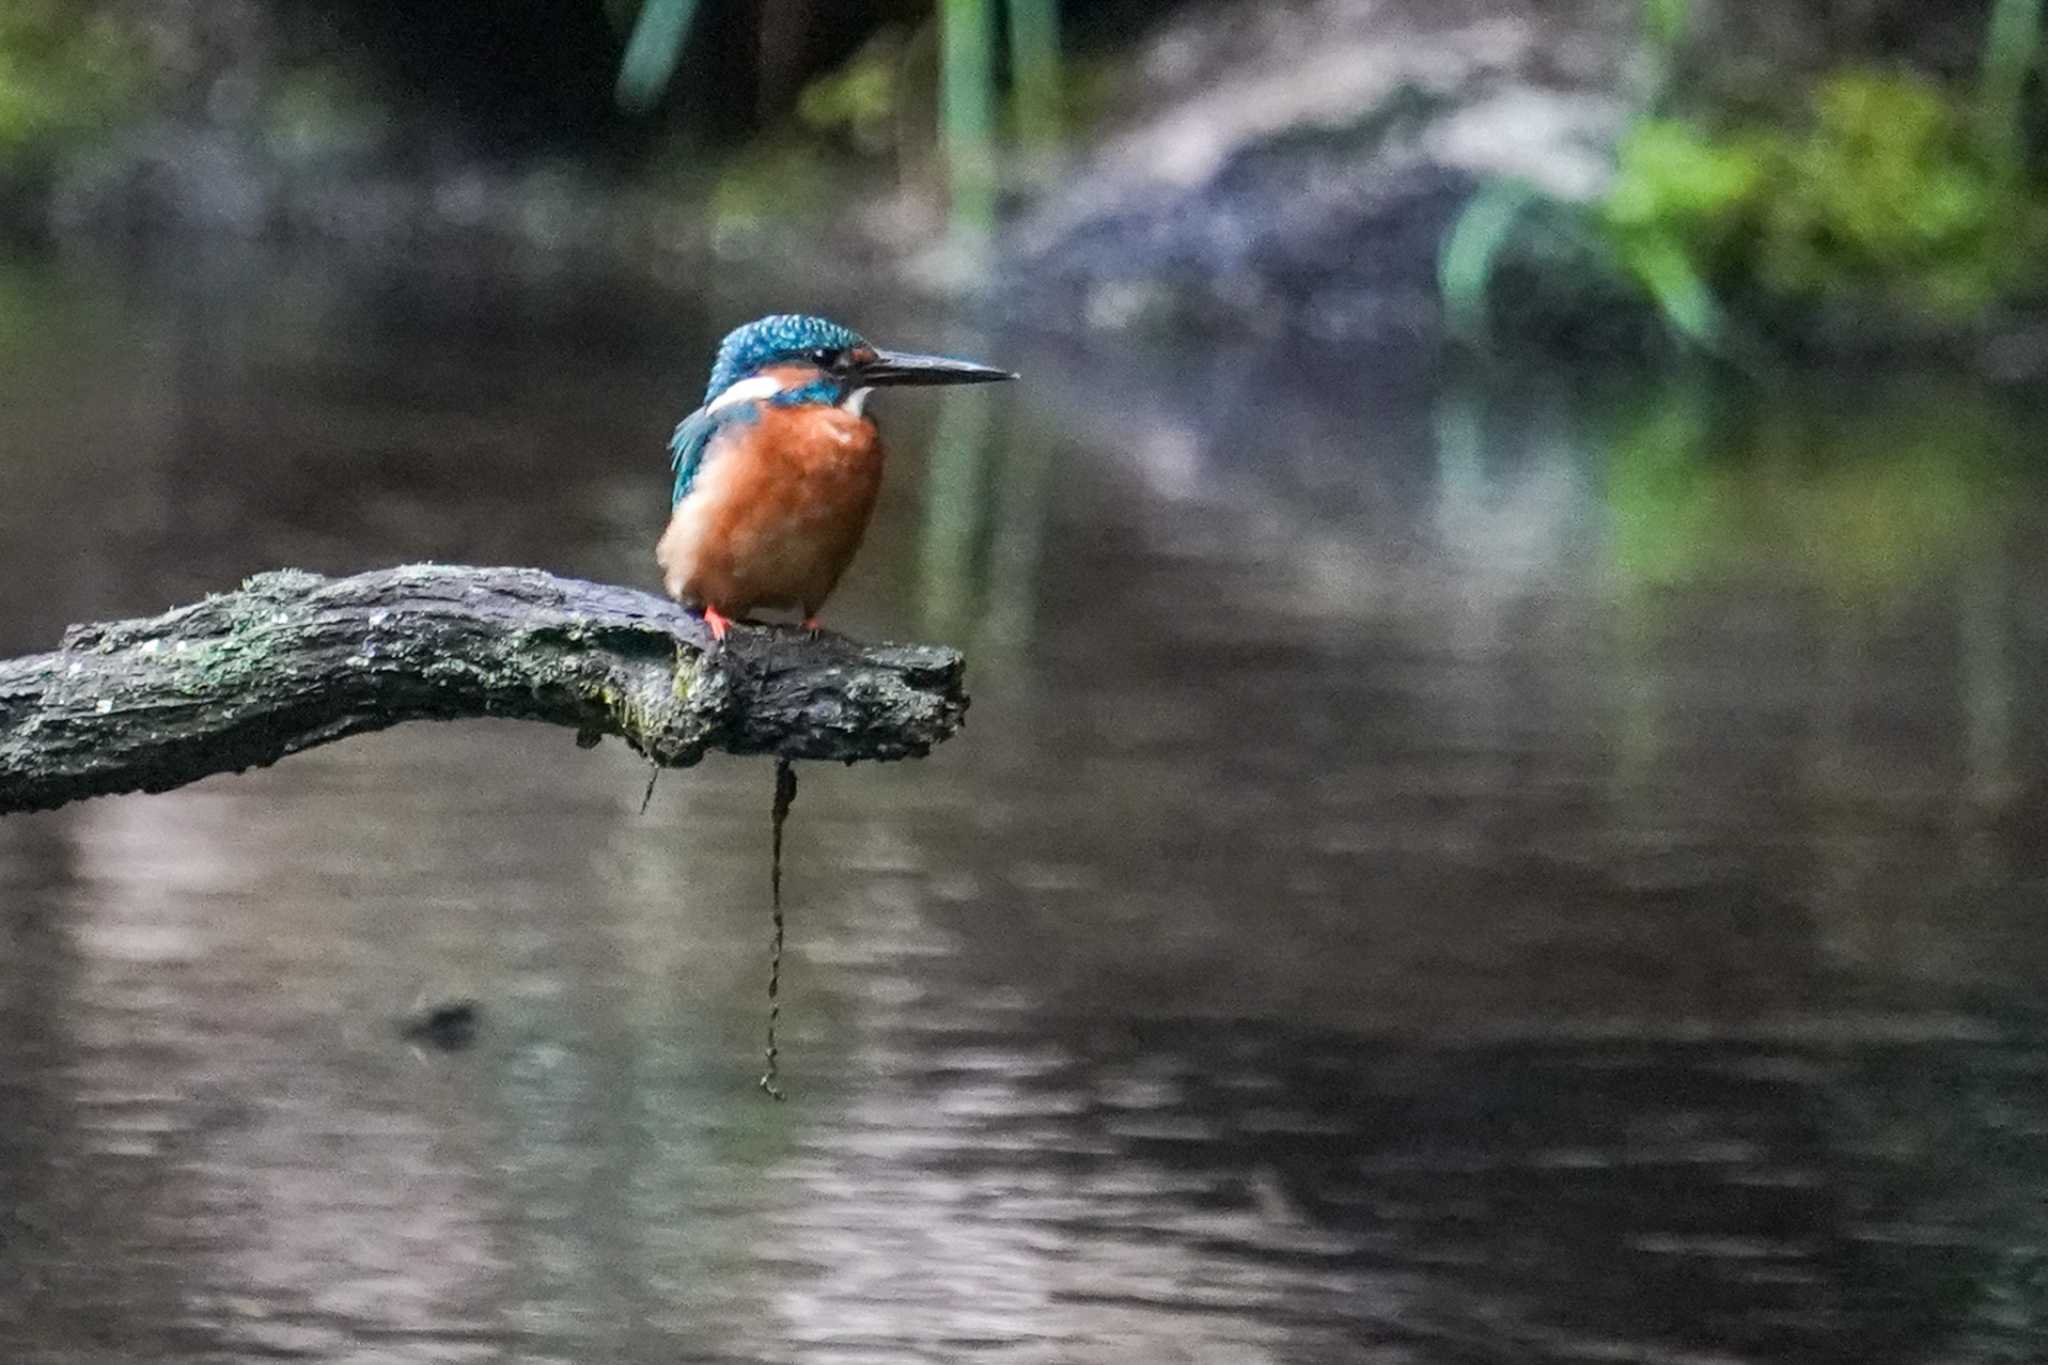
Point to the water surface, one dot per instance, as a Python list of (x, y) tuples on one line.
[(1438, 870)]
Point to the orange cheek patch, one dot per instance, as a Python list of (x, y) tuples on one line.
[(792, 376)]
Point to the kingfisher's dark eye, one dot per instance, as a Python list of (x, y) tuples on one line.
[(824, 357)]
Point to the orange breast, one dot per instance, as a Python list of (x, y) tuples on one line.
[(777, 513)]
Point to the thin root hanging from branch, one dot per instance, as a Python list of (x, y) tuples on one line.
[(785, 797), (294, 660)]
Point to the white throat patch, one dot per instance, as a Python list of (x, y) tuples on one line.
[(856, 400), (745, 391)]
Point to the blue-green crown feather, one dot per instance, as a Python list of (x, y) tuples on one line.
[(784, 336)]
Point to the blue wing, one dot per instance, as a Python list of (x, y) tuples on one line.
[(693, 442), (686, 449)]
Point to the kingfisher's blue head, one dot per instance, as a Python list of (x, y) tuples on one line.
[(826, 362), (790, 360)]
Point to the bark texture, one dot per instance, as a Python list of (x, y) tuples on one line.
[(294, 660)]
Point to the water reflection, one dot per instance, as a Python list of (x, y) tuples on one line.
[(1437, 872), (957, 509)]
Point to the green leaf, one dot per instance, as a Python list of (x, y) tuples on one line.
[(1471, 253), (1688, 306)]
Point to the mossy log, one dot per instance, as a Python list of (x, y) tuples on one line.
[(294, 660)]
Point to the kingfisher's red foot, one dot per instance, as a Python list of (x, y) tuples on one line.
[(811, 625), (719, 622)]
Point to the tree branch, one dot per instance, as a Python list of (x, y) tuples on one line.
[(294, 660)]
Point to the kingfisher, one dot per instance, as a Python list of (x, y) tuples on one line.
[(776, 475)]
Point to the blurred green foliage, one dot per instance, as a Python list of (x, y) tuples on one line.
[(1887, 197), (798, 173), (1678, 190), (1870, 496), (772, 182), (860, 100), (67, 69), (870, 97)]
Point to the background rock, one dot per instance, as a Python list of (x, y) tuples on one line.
[(1295, 165)]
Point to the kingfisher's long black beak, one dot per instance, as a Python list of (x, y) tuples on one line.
[(901, 367)]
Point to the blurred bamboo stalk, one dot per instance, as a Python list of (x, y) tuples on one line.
[(1665, 26), (1666, 23), (1035, 81), (2012, 46), (652, 53), (968, 41), (956, 508), (967, 112)]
